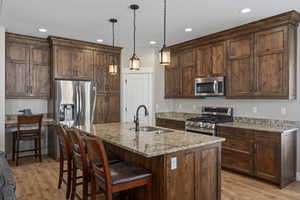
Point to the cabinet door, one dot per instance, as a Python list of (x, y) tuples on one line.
[(173, 78), (63, 62), (17, 68), (83, 64), (203, 63), (113, 108), (270, 62), (267, 161), (101, 109), (113, 81), (218, 59), (100, 70), (40, 72), (188, 73), (240, 68)]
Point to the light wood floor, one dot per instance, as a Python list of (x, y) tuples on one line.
[(38, 181)]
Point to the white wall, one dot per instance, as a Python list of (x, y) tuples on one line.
[(2, 88), (12, 106)]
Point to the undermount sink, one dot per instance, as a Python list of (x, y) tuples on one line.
[(151, 129)]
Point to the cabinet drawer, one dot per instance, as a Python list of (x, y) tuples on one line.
[(237, 161), (267, 137), (228, 132), (173, 124), (243, 146)]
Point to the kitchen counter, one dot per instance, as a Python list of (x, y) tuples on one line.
[(178, 116), (173, 158), (148, 144), (257, 127), (11, 121)]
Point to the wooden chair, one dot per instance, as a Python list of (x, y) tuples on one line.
[(116, 177), (65, 150), (28, 128), (81, 162)]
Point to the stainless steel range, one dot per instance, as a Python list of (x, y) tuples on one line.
[(210, 116)]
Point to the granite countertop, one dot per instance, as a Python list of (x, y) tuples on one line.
[(148, 144), (259, 127), (11, 120), (178, 116)]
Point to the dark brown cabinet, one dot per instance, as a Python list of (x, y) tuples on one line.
[(187, 59), (258, 59), (240, 69), (173, 124), (173, 78), (107, 108), (28, 62), (72, 63), (267, 155), (270, 62)]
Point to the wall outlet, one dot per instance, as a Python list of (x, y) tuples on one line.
[(194, 107), (156, 106), (283, 110), (254, 109), (180, 106), (173, 163)]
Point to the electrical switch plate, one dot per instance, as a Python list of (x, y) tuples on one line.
[(283, 110), (254, 109), (173, 163), (194, 107)]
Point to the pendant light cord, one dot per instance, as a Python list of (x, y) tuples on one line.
[(113, 29), (134, 30), (165, 19)]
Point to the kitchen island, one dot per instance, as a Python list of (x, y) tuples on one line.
[(184, 165)]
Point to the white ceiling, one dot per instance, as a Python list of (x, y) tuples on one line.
[(88, 19)]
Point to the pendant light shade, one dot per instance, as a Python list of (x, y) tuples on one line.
[(113, 67), (134, 62), (165, 53)]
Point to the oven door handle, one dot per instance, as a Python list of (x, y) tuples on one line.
[(216, 89)]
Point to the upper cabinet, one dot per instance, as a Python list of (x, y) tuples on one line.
[(210, 60), (72, 63), (257, 59), (28, 62), (173, 78)]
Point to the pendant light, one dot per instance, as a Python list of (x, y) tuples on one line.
[(165, 53), (134, 61), (113, 67)]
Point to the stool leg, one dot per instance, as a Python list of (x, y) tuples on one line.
[(35, 149), (149, 190), (14, 147), (74, 182), (61, 169), (69, 178), (17, 153), (40, 149), (93, 187), (85, 187)]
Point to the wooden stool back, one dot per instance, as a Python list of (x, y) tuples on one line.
[(29, 120)]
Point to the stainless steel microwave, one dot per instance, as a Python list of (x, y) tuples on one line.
[(212, 86)]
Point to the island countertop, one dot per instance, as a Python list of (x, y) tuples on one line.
[(148, 144)]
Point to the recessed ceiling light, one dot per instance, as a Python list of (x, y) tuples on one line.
[(152, 42), (188, 29), (245, 10), (99, 40), (43, 30)]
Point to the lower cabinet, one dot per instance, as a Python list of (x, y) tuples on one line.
[(266, 155), (107, 108), (173, 124)]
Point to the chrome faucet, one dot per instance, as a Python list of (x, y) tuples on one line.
[(136, 117)]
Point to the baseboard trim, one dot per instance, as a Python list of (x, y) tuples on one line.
[(298, 176)]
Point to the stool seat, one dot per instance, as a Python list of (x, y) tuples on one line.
[(124, 172)]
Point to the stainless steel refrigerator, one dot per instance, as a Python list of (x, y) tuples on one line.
[(74, 102)]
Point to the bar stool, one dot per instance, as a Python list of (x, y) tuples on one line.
[(81, 162), (65, 151), (28, 128), (116, 177)]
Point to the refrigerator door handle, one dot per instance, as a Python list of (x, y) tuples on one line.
[(94, 104)]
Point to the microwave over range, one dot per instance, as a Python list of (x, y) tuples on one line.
[(212, 86)]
